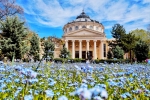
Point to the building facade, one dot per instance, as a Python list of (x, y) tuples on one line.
[(85, 35)]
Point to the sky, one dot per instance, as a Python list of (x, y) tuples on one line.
[(47, 17)]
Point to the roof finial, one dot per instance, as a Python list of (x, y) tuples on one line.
[(83, 11)]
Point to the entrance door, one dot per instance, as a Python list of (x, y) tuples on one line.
[(83, 54), (91, 54), (77, 54)]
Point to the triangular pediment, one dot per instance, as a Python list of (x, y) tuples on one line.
[(85, 32)]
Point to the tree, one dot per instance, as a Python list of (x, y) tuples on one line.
[(143, 35), (128, 43), (35, 47), (13, 38), (141, 51), (9, 8), (49, 48), (118, 32), (64, 53), (118, 52)]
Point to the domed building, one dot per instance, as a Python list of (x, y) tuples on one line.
[(84, 35)]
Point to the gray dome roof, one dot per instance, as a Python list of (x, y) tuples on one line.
[(84, 18), (82, 15)]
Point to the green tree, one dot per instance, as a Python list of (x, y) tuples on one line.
[(142, 35), (128, 43), (13, 38), (35, 47), (49, 48), (118, 52), (64, 53), (141, 51), (118, 32)]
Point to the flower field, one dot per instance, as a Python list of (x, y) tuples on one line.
[(77, 81)]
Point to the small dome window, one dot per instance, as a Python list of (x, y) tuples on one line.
[(91, 27), (76, 28), (83, 26), (70, 29), (96, 28)]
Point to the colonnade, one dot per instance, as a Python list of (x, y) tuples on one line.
[(101, 49)]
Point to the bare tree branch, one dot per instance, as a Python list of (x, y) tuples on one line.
[(9, 8)]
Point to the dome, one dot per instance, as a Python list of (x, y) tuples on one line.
[(83, 15), (84, 18)]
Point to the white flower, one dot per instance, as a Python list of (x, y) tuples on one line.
[(97, 98), (2, 69), (63, 98), (84, 81), (77, 67), (49, 93), (33, 74), (104, 94), (28, 97), (95, 91), (85, 94)]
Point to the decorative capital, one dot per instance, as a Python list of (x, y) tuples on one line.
[(87, 40), (73, 40), (80, 40), (95, 40), (102, 40)]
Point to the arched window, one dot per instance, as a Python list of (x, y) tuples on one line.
[(66, 30), (70, 29), (76, 28)]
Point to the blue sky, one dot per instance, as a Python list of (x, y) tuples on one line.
[(47, 17)]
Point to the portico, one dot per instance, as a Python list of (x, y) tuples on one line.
[(96, 48)]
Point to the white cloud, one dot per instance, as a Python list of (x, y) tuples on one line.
[(146, 1), (55, 13)]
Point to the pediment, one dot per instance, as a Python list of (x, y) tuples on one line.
[(84, 32)]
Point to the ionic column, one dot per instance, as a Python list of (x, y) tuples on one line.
[(87, 45), (73, 51), (66, 44), (80, 48), (95, 53), (101, 50)]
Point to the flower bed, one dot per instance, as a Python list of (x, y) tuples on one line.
[(77, 81)]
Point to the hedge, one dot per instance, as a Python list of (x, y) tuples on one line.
[(112, 61), (97, 61)]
